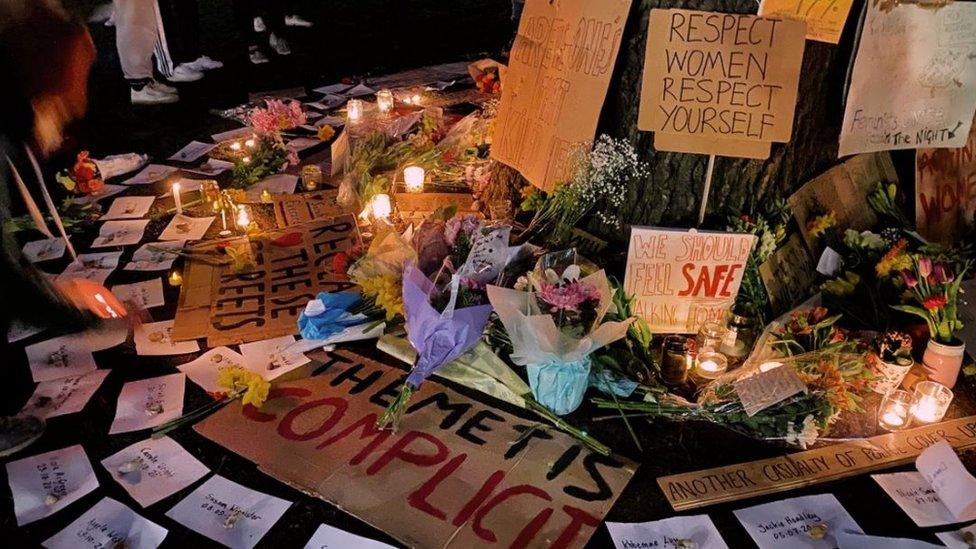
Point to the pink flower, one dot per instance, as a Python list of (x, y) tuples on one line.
[(460, 224), (909, 278), (569, 296), (277, 116), (924, 267), (942, 274)]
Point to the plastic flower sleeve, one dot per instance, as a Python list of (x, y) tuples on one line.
[(488, 255)]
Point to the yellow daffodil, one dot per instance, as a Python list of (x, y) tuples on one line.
[(326, 132), (252, 386)]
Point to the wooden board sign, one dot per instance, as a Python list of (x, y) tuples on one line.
[(558, 73), (788, 275), (458, 473), (945, 191), (290, 267), (710, 77), (683, 278), (756, 478), (297, 209)]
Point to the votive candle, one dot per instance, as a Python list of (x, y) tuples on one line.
[(380, 206), (413, 178), (384, 101), (930, 402), (894, 413), (710, 364), (354, 110)]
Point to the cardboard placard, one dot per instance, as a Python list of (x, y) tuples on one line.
[(717, 76), (452, 476), (264, 302), (755, 478), (824, 18), (914, 79), (945, 191), (297, 209), (339, 153), (696, 144), (842, 190), (428, 202), (683, 278), (558, 74), (788, 275)]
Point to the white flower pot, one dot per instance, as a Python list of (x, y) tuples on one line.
[(888, 375), (942, 362)]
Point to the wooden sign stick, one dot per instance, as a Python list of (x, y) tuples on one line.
[(708, 186)]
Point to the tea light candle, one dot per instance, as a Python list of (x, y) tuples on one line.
[(894, 411), (384, 101), (380, 206), (413, 177), (266, 196), (771, 365), (354, 110), (246, 159), (930, 402), (249, 143), (235, 146), (710, 364), (175, 278), (177, 199), (243, 220)]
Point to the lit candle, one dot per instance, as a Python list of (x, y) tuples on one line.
[(246, 159), (893, 413), (223, 220), (175, 278), (710, 364), (381, 206), (893, 418), (176, 197), (384, 101), (266, 196), (927, 410), (413, 177), (771, 365), (249, 143), (242, 218), (930, 402), (416, 99), (354, 110), (235, 146)]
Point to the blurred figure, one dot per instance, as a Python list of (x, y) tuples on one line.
[(265, 15), (136, 34), (46, 88), (178, 55)]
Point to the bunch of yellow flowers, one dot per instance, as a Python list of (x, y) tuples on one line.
[(386, 291), (251, 387)]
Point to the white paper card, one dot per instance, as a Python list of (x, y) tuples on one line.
[(239, 133), (956, 539), (281, 183), (914, 79), (148, 403), (359, 90), (184, 227), (150, 174), (66, 395), (785, 524), (942, 468), (120, 233), (94, 266), (300, 144), (154, 469), (154, 339), (830, 262), (212, 167), (333, 88), (229, 513), (59, 357), (107, 191), (847, 540), (148, 257), (146, 294), (129, 207), (916, 498), (666, 533), (44, 250), (192, 151), (272, 358), (327, 537), (46, 483), (204, 370), (107, 525)]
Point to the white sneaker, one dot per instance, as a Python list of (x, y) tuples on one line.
[(151, 96), (297, 21), (162, 88), (185, 73), (257, 57), (205, 63), (280, 45), (259, 25)]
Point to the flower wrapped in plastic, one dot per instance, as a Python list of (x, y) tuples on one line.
[(379, 272), (336, 317), (555, 322), (438, 337)]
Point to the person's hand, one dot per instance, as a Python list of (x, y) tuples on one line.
[(93, 297)]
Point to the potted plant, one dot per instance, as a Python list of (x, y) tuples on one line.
[(892, 359), (935, 290)]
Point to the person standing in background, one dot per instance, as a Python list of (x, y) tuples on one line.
[(136, 34), (177, 51), (272, 19)]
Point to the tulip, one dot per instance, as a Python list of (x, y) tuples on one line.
[(909, 278), (924, 267), (942, 274), (934, 302)]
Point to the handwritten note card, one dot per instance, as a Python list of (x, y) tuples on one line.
[(109, 524), (46, 483), (944, 471), (327, 537), (120, 233), (155, 339), (95, 266), (850, 540), (272, 358), (229, 513), (916, 498), (129, 207), (764, 389), (796, 523), (824, 18), (154, 469), (683, 278), (149, 257), (667, 533), (59, 357), (66, 395), (204, 370), (148, 403), (44, 250), (192, 151), (184, 227), (150, 174), (146, 294), (914, 79)]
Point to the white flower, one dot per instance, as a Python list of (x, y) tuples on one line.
[(805, 437)]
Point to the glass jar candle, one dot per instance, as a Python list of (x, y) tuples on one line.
[(710, 335), (894, 413), (675, 360), (311, 177), (710, 364), (413, 179), (930, 402), (384, 101), (740, 336), (354, 110)]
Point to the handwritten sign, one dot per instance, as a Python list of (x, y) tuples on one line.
[(558, 74), (787, 524), (154, 469), (683, 278), (824, 18), (744, 480), (914, 79), (945, 191), (290, 267), (720, 76), (788, 274), (46, 483), (108, 524), (458, 473), (296, 209), (842, 190)]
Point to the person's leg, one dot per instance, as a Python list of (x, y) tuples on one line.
[(244, 12), (274, 19), (135, 38), (167, 38)]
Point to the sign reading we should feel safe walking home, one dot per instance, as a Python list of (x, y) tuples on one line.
[(683, 278)]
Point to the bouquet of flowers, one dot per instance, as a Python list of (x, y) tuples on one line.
[(810, 330), (487, 75), (82, 178), (277, 116), (438, 336), (379, 274), (554, 321), (935, 290)]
